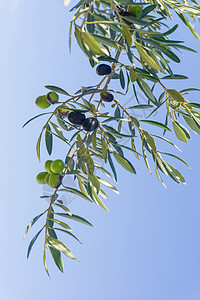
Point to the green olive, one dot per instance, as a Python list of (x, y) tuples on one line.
[(41, 102), (41, 177), (57, 166)]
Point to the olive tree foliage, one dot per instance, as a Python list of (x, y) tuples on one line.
[(129, 43)]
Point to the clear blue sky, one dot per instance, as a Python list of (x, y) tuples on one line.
[(148, 246)]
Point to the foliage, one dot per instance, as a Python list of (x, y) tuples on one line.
[(104, 30)]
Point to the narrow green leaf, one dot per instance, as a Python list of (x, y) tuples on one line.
[(179, 132), (35, 118), (158, 124), (126, 33), (175, 76), (145, 157), (166, 140), (147, 58), (95, 182), (193, 104), (58, 130), (176, 173), (58, 245), (133, 75), (98, 200), (38, 146), (125, 163), (109, 185), (76, 192), (177, 157), (93, 44), (61, 224), (64, 208), (57, 258), (48, 139), (175, 95), (33, 222), (112, 165), (149, 140), (141, 106), (191, 123), (33, 241), (90, 165), (45, 263), (146, 90), (75, 218), (68, 232), (158, 175), (122, 80), (184, 129), (57, 89), (105, 40)]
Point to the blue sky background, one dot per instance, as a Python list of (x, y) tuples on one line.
[(148, 246)]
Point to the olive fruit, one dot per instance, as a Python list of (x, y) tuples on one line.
[(55, 180), (106, 96), (63, 111), (41, 177), (90, 124), (46, 179), (47, 166), (52, 97), (125, 13), (103, 69), (76, 117), (57, 166), (136, 10), (41, 102)]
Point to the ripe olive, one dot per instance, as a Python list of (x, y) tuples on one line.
[(106, 96), (76, 117), (90, 124), (103, 69)]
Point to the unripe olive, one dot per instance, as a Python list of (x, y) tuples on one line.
[(52, 97), (136, 10), (41, 102), (41, 177), (47, 166), (57, 166), (55, 180), (46, 179), (63, 111)]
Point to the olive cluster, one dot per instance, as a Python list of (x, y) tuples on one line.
[(53, 175), (78, 118), (46, 100)]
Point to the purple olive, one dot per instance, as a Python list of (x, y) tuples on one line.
[(106, 96), (103, 69), (125, 13), (76, 117), (90, 124)]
